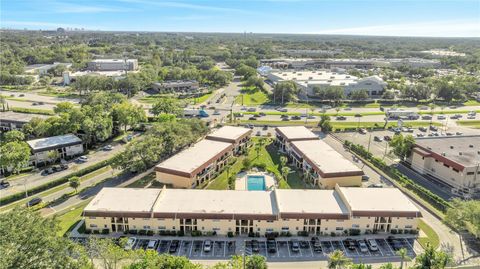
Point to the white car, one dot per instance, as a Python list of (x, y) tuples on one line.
[(372, 244), (82, 159), (362, 246), (207, 246), (152, 244), (441, 117), (130, 243)]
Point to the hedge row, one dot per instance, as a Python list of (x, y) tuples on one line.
[(32, 111), (435, 200), (18, 196)]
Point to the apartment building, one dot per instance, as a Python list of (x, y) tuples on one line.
[(453, 161), (10, 120), (112, 65), (176, 86), (67, 146), (194, 165), (323, 166), (284, 136), (238, 136), (322, 212)]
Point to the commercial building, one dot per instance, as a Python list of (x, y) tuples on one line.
[(176, 86), (308, 81), (439, 53), (308, 63), (284, 136), (42, 69), (67, 146), (10, 120), (452, 160), (410, 62), (112, 64), (195, 165), (324, 166), (322, 212), (238, 136)]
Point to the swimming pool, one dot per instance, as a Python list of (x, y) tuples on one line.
[(256, 183)]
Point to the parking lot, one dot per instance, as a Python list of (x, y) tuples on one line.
[(284, 249)]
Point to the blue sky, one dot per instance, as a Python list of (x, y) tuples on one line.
[(451, 18)]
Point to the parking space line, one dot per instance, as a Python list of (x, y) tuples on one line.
[(190, 252), (213, 252), (389, 247), (408, 243), (288, 248), (278, 252), (311, 248), (225, 249), (344, 249), (201, 250), (380, 249)]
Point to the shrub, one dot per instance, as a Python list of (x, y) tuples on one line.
[(354, 232), (393, 231), (96, 232), (333, 234), (149, 232), (302, 233), (105, 231), (142, 232), (161, 232), (132, 231), (180, 233), (230, 234), (196, 233), (88, 231), (251, 234)]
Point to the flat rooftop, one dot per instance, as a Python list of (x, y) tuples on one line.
[(324, 157), (319, 76), (377, 199), (195, 156), (123, 200), (215, 202), (451, 146), (231, 133), (112, 60), (293, 133), (310, 202), (52, 142), (19, 117)]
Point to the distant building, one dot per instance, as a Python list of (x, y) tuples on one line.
[(454, 161), (443, 53), (409, 62), (308, 80), (42, 69), (176, 86), (308, 63), (10, 120), (309, 52), (67, 146), (112, 65)]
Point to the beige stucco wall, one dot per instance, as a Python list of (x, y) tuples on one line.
[(176, 181), (350, 181)]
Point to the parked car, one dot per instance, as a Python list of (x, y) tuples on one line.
[(271, 246), (350, 243), (4, 184), (34, 201), (441, 117), (311, 117), (64, 166), (387, 138), (471, 117), (283, 116), (362, 246), (316, 244), (422, 129), (378, 139), (426, 117), (108, 147), (82, 159), (362, 131), (296, 118), (365, 178), (152, 244), (130, 243), (295, 246), (341, 118), (265, 127), (255, 246), (433, 128), (21, 95), (376, 185), (420, 135), (174, 246), (207, 246), (458, 133), (258, 133), (256, 115), (372, 245)]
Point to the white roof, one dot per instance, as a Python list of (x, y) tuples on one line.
[(112, 60), (324, 76), (310, 201), (52, 142), (296, 132), (215, 202), (324, 157), (123, 200), (377, 199), (229, 132), (195, 156)]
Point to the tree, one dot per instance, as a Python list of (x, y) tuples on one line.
[(107, 251), (283, 160), (360, 266), (336, 260), (285, 90), (150, 259), (325, 123), (259, 145), (53, 156), (285, 172), (254, 81), (74, 182), (127, 114), (14, 155), (247, 163), (403, 254), (359, 95), (331, 93), (28, 240), (13, 136), (464, 215), (387, 266), (432, 259), (402, 145), (166, 106), (241, 262)]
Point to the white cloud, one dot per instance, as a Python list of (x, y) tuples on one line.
[(172, 4), (38, 24), (429, 29)]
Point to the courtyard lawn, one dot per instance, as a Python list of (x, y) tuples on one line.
[(151, 99), (69, 219), (252, 96), (472, 103), (432, 237)]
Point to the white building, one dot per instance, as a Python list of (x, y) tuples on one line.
[(67, 146), (112, 65), (42, 69), (308, 80)]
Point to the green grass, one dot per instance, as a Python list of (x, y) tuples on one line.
[(432, 237), (142, 182), (368, 113), (470, 123), (151, 99), (280, 123), (60, 94), (252, 96), (200, 99), (471, 103), (32, 110), (69, 219), (367, 124)]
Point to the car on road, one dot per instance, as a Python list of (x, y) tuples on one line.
[(311, 117), (255, 246), (433, 128), (271, 246), (458, 133), (375, 185), (174, 246), (341, 118), (365, 178), (216, 112), (252, 118), (281, 109), (34, 201), (372, 245), (262, 114), (152, 244), (362, 131), (456, 117), (378, 138), (207, 246), (362, 246), (108, 147), (295, 246), (34, 104), (285, 119), (258, 133), (296, 118), (256, 115), (358, 115), (265, 127), (82, 159), (420, 135), (441, 117), (471, 117), (4, 184), (426, 117), (130, 243), (251, 109)]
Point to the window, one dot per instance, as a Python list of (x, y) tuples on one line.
[(145, 218), (296, 228), (456, 170), (470, 173), (356, 217), (160, 219), (93, 225), (269, 230), (269, 221), (162, 227), (105, 226), (368, 225), (285, 228), (396, 226), (409, 217), (91, 217), (339, 228), (216, 229), (258, 229), (339, 220), (215, 220), (446, 165), (146, 227), (408, 226), (355, 226)]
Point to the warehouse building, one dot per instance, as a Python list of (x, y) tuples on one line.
[(112, 65), (322, 212), (453, 161), (67, 147)]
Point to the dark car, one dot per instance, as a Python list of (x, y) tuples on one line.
[(433, 128), (296, 118), (262, 114), (4, 184), (316, 244), (341, 118), (252, 118), (173, 246), (271, 246), (255, 247), (295, 246), (387, 138), (350, 243), (256, 115), (34, 201), (285, 119), (64, 166), (358, 115), (57, 168), (284, 116), (265, 127)]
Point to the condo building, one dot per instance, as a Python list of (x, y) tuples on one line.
[(288, 134), (322, 212), (10, 120), (199, 163), (67, 146), (453, 161)]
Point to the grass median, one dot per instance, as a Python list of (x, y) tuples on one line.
[(431, 236), (470, 123)]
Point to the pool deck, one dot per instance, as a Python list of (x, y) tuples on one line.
[(241, 181)]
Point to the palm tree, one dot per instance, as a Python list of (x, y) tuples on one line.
[(74, 182), (403, 253), (285, 171), (283, 160), (336, 260)]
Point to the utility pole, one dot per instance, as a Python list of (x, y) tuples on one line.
[(369, 141)]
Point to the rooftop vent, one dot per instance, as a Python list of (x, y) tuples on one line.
[(444, 154), (348, 76), (460, 153), (429, 148), (310, 78), (451, 147), (332, 76), (471, 146), (320, 73)]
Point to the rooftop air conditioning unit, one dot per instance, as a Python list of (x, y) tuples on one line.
[(460, 153), (471, 146), (451, 147), (444, 154)]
